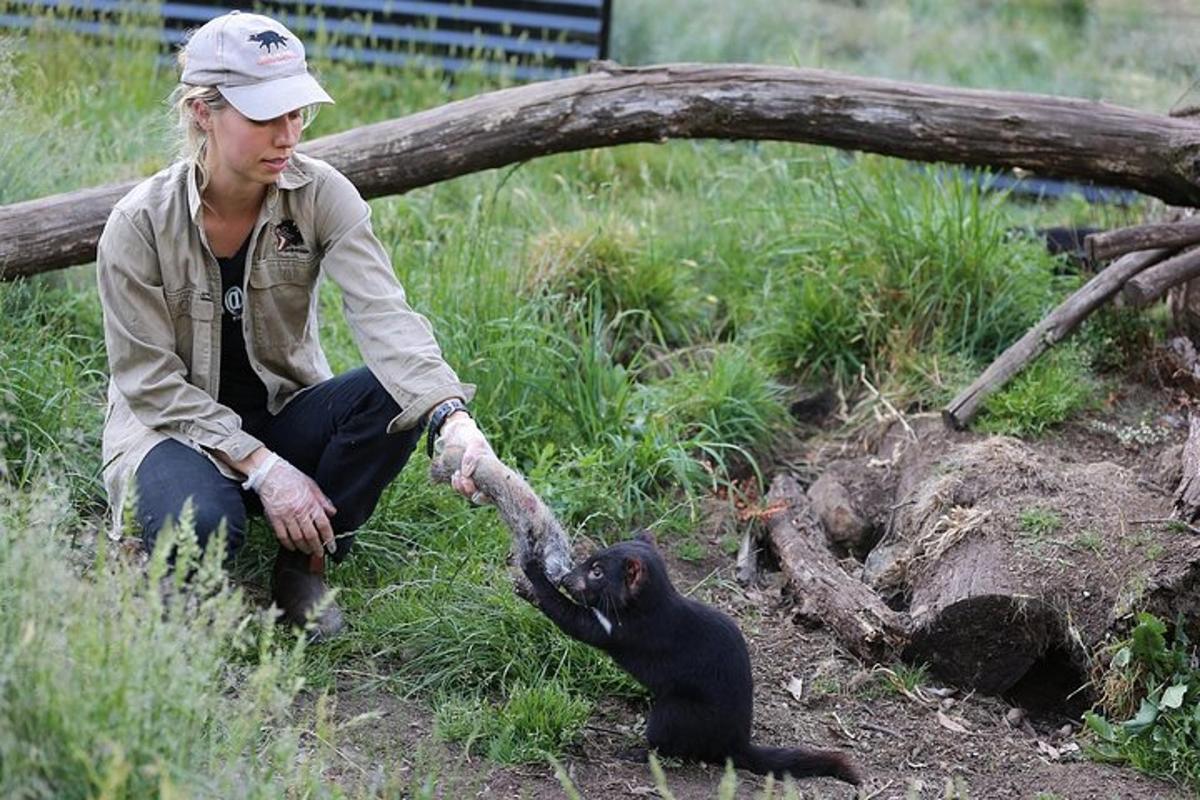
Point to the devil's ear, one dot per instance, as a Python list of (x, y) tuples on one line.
[(644, 535), (635, 574)]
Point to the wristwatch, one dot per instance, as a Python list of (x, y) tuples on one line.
[(437, 418)]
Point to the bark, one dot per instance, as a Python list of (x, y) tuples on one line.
[(1063, 137), (1187, 494), (1110, 244), (1053, 328), (976, 622), (986, 546), (1154, 281), (534, 527), (861, 620), (1182, 364)]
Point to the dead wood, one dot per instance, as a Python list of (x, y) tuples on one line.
[(845, 525), (825, 592), (1063, 137), (1187, 494), (1053, 328), (976, 622), (1182, 364), (984, 547), (534, 527), (1170, 235), (1154, 281)]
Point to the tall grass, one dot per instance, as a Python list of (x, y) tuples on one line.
[(1050, 46), (885, 262), (122, 683), (633, 318), (51, 386)]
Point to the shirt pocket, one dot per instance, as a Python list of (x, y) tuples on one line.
[(192, 312), (284, 269), (282, 286)]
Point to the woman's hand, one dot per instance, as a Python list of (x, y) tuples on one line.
[(459, 430), (297, 509)]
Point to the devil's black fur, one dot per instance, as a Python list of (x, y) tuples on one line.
[(691, 657)]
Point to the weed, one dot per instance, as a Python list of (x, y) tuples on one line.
[(904, 679), (1144, 434), (1158, 677), (1090, 540), (1039, 524), (129, 684)]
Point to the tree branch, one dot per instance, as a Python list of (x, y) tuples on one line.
[(1063, 137)]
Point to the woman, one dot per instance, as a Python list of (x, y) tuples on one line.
[(219, 392)]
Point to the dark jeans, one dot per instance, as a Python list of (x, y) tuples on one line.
[(334, 432)]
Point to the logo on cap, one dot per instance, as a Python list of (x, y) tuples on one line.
[(269, 39)]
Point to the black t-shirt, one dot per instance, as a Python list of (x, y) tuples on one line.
[(241, 389)]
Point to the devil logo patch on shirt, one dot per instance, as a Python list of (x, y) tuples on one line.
[(288, 238)]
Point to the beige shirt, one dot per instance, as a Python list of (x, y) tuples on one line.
[(160, 287)]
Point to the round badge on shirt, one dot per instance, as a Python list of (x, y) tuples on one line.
[(234, 301)]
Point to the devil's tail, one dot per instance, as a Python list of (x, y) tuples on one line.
[(799, 762)]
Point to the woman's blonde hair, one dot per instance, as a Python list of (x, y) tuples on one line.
[(191, 139)]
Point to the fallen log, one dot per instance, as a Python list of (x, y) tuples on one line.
[(1153, 282), (534, 527), (1171, 235), (825, 592), (1053, 136), (1017, 564), (1053, 328)]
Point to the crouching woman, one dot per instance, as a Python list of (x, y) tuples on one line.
[(220, 393)]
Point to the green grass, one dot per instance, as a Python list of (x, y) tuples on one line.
[(1022, 45), (903, 679), (51, 385), (532, 724), (1040, 522), (1051, 390), (634, 317), (117, 683)]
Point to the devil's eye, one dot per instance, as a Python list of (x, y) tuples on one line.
[(596, 572)]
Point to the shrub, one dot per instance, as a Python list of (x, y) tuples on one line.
[(125, 683), (1158, 677)]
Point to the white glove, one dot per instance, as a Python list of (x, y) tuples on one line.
[(295, 506), (459, 430)]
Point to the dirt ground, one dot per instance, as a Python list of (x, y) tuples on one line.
[(935, 742)]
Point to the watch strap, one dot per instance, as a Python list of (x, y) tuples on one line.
[(437, 418)]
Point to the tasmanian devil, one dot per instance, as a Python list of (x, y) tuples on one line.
[(691, 657)]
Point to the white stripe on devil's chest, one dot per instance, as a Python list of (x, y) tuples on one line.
[(603, 620)]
